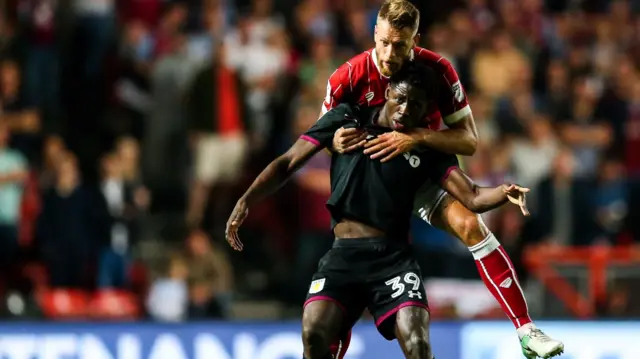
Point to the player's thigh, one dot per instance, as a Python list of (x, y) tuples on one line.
[(453, 217), (427, 199), (322, 321), (401, 288), (209, 159), (412, 332), (333, 285)]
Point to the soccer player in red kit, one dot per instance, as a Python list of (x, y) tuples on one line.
[(362, 80)]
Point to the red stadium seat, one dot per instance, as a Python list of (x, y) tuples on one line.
[(63, 303), (114, 304), (138, 278)]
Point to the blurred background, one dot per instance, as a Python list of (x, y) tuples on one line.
[(129, 128)]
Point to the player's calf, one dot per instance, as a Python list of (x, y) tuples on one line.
[(412, 332), (493, 262), (321, 321)]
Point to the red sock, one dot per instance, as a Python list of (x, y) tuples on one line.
[(498, 274), (340, 346)]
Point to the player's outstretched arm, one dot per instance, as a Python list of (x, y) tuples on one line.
[(482, 199), (274, 176)]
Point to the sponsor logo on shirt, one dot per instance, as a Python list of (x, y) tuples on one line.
[(458, 94)]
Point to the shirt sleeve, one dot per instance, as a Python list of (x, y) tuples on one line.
[(321, 134), (441, 165), (339, 88), (452, 99)]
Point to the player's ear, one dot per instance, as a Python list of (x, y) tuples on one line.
[(416, 39), (375, 32), (386, 92)]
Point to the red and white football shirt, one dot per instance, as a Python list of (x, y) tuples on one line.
[(360, 82)]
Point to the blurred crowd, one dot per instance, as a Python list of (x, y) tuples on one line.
[(128, 128)]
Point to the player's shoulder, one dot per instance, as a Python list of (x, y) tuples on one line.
[(360, 60), (432, 59), (356, 66)]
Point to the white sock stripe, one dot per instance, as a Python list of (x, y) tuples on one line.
[(485, 247), (339, 349), (484, 269), (503, 253)]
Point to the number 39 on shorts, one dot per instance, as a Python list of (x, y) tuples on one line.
[(399, 287)]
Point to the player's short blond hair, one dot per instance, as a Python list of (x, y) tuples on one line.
[(400, 14)]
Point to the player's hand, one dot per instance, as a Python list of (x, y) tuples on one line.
[(389, 145), (238, 216), (348, 139), (517, 195)]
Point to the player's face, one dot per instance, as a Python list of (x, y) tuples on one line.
[(406, 106), (393, 46)]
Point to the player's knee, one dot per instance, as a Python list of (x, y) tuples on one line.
[(470, 228), (417, 346), (315, 337)]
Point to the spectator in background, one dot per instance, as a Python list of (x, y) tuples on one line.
[(562, 213), (494, 68), (165, 142), (95, 31), (127, 150), (53, 150), (168, 296), (517, 107), (357, 26), (587, 135), (532, 156), (260, 77), (611, 198), (201, 43), (11, 43), (314, 19), (631, 137), (216, 119), (556, 98), (38, 18), (13, 173), (210, 278), (17, 111), (319, 66), (133, 87), (171, 25), (71, 226), (119, 198)]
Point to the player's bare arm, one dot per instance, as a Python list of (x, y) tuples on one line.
[(482, 199), (461, 138), (274, 176)]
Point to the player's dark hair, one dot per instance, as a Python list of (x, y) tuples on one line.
[(416, 75)]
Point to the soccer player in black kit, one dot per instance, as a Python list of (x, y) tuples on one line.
[(371, 263)]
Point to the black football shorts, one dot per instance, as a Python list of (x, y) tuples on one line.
[(376, 273)]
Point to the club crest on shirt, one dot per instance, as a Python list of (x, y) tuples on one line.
[(316, 286), (458, 94)]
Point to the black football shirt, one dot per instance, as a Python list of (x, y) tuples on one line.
[(377, 194)]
